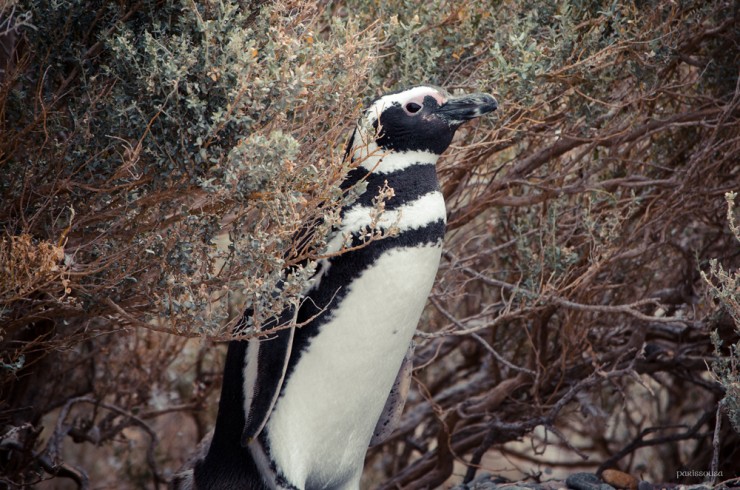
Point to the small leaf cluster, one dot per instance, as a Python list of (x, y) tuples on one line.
[(724, 287), (189, 140)]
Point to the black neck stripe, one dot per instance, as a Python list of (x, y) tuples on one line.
[(345, 268), (409, 184)]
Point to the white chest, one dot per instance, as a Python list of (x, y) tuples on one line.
[(322, 424)]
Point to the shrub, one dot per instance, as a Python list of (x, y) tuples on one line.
[(159, 156)]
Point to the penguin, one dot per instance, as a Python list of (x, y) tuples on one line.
[(301, 405)]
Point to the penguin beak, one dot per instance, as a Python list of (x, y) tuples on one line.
[(458, 109)]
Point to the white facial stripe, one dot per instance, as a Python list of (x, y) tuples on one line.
[(416, 94)]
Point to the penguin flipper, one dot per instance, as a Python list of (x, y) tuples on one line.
[(265, 365), (266, 359), (391, 415)]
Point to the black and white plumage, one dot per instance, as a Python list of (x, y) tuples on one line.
[(299, 409)]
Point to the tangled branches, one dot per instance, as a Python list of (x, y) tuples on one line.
[(582, 317), (570, 313)]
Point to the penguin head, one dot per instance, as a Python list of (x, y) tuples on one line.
[(420, 119)]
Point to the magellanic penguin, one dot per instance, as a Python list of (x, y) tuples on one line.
[(300, 407)]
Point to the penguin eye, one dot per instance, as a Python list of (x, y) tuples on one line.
[(413, 107)]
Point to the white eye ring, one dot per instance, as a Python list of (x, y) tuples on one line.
[(412, 107)]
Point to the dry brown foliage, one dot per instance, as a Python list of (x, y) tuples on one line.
[(569, 327)]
